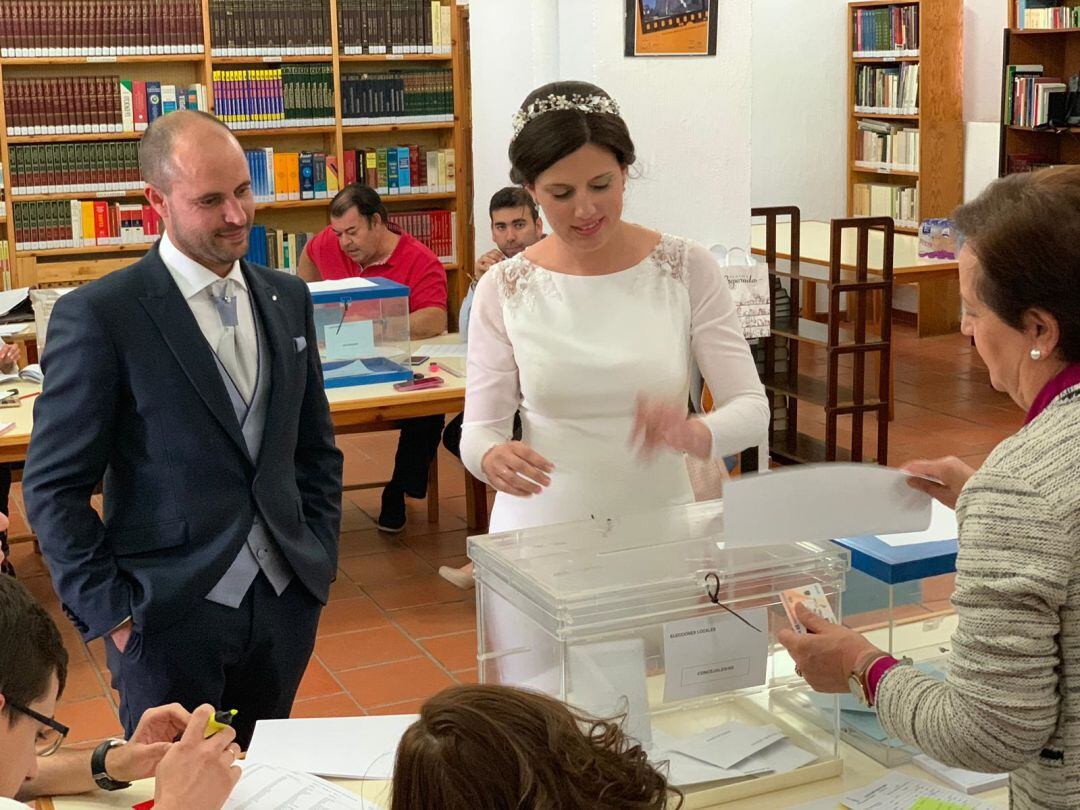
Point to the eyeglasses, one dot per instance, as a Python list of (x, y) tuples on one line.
[(51, 737)]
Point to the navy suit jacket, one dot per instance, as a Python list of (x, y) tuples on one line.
[(133, 396)]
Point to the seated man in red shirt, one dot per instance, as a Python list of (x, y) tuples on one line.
[(360, 241)]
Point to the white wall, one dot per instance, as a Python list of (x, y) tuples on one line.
[(690, 117)]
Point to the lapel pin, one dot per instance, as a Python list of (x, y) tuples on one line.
[(273, 298)]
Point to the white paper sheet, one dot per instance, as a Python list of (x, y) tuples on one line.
[(8, 329), (350, 339), (443, 349), (894, 791), (683, 770), (345, 747), (967, 781), (263, 787), (9, 299), (715, 653), (821, 502), (728, 745), (943, 526), (780, 757), (608, 679), (338, 284)]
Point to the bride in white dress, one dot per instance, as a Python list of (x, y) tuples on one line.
[(591, 334)]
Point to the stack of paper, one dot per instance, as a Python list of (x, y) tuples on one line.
[(731, 751), (263, 787), (898, 792), (967, 781)]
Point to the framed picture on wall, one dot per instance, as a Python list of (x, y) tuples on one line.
[(671, 27)]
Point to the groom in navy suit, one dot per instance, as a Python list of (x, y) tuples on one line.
[(190, 383)]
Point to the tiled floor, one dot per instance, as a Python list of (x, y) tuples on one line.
[(394, 632)]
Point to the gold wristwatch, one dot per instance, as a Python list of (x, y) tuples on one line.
[(858, 680)]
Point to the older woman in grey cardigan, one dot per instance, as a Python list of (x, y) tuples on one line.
[(1011, 701)]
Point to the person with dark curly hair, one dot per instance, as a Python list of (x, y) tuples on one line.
[(488, 747)]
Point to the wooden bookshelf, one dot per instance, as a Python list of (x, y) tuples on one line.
[(52, 266), (1058, 51), (940, 118)]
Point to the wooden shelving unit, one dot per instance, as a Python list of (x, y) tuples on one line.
[(865, 388), (1058, 51), (940, 120), (53, 266)]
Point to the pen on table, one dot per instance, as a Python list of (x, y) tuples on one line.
[(452, 372), (31, 394)]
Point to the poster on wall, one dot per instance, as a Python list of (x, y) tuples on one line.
[(671, 27)]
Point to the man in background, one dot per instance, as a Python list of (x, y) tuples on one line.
[(360, 241)]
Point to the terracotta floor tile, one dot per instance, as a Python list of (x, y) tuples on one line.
[(443, 544), (456, 651), (415, 591), (385, 567), (89, 720), (41, 588), (437, 620), (405, 707), (339, 705), (346, 615), (344, 588), (355, 519), (466, 676), (396, 682), (83, 682), (317, 682), (367, 541), (27, 562), (365, 648)]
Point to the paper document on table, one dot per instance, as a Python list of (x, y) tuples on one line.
[(339, 284), (9, 299), (821, 502), (715, 653), (345, 747), (443, 350), (967, 781), (9, 329), (264, 786), (898, 792), (943, 526)]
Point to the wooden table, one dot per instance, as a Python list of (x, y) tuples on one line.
[(937, 281)]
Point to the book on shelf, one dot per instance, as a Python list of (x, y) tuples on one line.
[(397, 97), (436, 230), (887, 90), (103, 168), (884, 145), (89, 105), (891, 31), (885, 200), (1027, 104), (56, 224), (267, 98), (394, 27), (270, 28), (283, 176), (430, 171), (276, 248), (99, 28), (5, 263), (1046, 14)]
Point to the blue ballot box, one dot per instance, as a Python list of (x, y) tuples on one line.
[(362, 327)]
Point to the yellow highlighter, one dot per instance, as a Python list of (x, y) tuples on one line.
[(218, 721)]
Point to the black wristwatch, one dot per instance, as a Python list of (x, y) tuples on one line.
[(97, 767)]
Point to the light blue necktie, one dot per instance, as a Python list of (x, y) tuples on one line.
[(229, 349)]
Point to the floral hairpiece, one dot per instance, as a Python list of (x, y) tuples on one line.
[(586, 104)]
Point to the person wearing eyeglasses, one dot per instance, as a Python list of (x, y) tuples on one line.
[(191, 772)]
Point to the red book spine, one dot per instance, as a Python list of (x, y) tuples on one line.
[(350, 166), (101, 221), (138, 101), (114, 223), (117, 108)]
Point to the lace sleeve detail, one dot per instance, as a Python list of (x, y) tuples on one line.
[(521, 282)]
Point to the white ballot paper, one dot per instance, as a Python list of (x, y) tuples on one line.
[(338, 284), (715, 653), (443, 350), (728, 745), (9, 299), (263, 787), (607, 679), (895, 791), (943, 526), (821, 502), (345, 747)]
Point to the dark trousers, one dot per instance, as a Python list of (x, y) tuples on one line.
[(451, 437), (249, 658), (417, 446)]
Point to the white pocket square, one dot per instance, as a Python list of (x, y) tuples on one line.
[(300, 343)]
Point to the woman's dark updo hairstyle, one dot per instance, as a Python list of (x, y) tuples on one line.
[(1025, 231), (549, 138)]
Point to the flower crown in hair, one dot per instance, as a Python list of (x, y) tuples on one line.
[(586, 104)]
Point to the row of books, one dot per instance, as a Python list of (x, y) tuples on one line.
[(883, 145), (1043, 14), (75, 105), (393, 26), (885, 32), (283, 176), (882, 200), (397, 97), (286, 96), (437, 230), (5, 263), (55, 168), (64, 28), (1028, 103), (887, 90), (269, 27), (84, 223), (396, 170), (275, 248)]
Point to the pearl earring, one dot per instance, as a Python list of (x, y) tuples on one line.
[(1036, 354)]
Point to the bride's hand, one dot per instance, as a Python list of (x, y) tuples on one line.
[(516, 469), (658, 425)]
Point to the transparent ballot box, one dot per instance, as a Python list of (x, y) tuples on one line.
[(362, 325), (897, 595), (655, 617)]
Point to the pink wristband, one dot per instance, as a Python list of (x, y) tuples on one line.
[(877, 671)]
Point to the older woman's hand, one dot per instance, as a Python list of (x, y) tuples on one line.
[(951, 471), (828, 653), (9, 358)]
